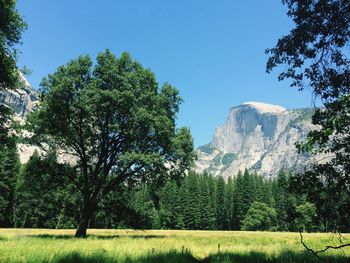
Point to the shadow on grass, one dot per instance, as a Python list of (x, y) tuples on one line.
[(175, 256), (283, 257), (170, 257), (46, 236)]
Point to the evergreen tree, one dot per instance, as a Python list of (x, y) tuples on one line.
[(213, 202), (229, 195), (281, 197), (145, 209), (220, 206), (238, 201), (182, 206), (193, 215), (168, 205), (248, 192), (9, 169), (11, 28), (305, 218), (44, 198), (205, 205), (116, 211)]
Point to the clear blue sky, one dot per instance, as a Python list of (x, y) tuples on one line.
[(212, 51)]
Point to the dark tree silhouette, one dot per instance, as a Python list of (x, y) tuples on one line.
[(316, 56)]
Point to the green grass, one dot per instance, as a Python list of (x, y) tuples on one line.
[(59, 246)]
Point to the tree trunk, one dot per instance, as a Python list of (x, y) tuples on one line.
[(85, 217)]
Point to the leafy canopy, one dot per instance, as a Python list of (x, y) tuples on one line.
[(316, 55), (11, 28), (259, 217), (114, 121)]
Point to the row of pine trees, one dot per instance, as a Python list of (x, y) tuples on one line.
[(38, 195), (246, 201)]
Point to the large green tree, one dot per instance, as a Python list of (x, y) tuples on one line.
[(315, 55), (259, 217), (112, 122), (11, 28)]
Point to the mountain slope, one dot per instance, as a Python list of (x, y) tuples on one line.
[(256, 136), (22, 100)]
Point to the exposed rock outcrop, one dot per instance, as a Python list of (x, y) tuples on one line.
[(22, 100), (256, 136)]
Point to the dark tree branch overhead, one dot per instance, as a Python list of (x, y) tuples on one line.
[(11, 28), (317, 252), (316, 56), (116, 120)]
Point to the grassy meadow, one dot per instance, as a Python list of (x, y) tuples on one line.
[(42, 245)]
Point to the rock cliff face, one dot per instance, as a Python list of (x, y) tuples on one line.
[(22, 100), (256, 136)]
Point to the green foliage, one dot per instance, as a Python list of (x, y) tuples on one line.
[(315, 55), (44, 196), (305, 216), (145, 209), (118, 123), (11, 28), (220, 205), (229, 202), (193, 211), (281, 195), (9, 168), (259, 217), (169, 205), (116, 210)]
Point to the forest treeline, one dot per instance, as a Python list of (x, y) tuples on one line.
[(39, 195)]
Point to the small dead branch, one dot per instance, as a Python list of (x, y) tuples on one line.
[(317, 252)]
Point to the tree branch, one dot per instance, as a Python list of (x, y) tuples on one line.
[(315, 253)]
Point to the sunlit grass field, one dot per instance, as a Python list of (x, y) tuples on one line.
[(42, 245)]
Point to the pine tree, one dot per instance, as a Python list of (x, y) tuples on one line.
[(205, 206), (182, 206), (145, 208), (229, 204), (248, 191), (220, 206), (193, 209), (213, 202), (44, 198), (238, 201), (9, 169), (281, 195), (168, 205)]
